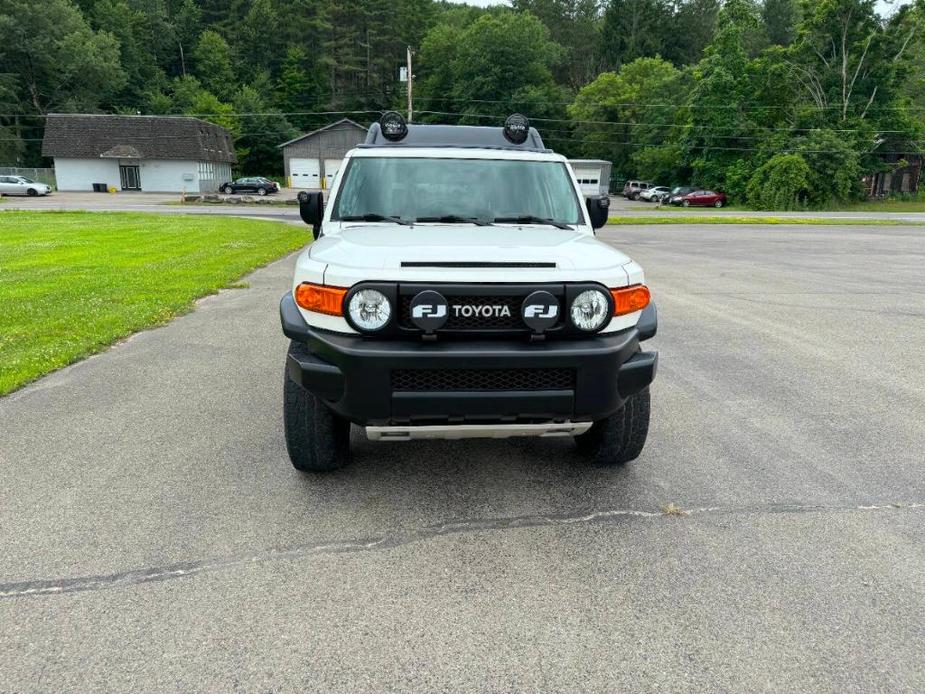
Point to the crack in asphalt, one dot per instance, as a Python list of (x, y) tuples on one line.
[(397, 538)]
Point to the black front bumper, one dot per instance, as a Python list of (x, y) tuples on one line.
[(356, 375)]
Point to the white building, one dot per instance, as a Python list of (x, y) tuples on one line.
[(313, 160), (151, 153), (593, 175)]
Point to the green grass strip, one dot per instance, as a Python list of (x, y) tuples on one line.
[(73, 283)]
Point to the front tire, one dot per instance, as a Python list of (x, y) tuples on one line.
[(686, 203), (718, 204), (261, 191), (32, 192), (317, 439), (619, 438), (227, 190)]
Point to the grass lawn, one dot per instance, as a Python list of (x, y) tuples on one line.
[(888, 206), (707, 219), (73, 283)]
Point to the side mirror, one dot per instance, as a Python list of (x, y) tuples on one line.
[(311, 209), (598, 209)]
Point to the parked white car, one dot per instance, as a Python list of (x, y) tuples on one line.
[(654, 193), (456, 289), (20, 185)]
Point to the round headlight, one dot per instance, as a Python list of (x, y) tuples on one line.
[(590, 309), (369, 309)]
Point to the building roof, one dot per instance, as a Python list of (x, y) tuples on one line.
[(329, 126), (90, 136)]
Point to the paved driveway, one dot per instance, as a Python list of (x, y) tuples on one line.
[(160, 203), (155, 537)]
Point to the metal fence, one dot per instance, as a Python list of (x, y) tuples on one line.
[(40, 175)]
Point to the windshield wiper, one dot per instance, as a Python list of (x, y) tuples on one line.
[(455, 219), (530, 219), (374, 217)]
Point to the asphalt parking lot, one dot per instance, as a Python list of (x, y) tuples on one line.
[(155, 536), (168, 203)]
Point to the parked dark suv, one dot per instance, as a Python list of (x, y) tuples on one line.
[(251, 184)]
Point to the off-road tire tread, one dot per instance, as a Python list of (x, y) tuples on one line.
[(620, 438), (317, 439)]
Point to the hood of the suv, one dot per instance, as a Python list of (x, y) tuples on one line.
[(388, 247)]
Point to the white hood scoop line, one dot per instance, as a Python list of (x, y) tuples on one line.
[(475, 264)]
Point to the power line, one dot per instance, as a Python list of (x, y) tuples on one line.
[(639, 104)]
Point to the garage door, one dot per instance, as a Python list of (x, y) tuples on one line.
[(589, 180), (331, 167), (305, 173)]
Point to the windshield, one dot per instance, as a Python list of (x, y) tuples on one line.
[(23, 179), (413, 188)]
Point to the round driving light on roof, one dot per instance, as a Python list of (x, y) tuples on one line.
[(369, 309), (590, 309), (516, 128), (393, 126)]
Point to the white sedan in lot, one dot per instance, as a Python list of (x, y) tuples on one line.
[(654, 193), (20, 185)]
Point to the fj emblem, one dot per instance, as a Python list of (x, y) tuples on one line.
[(540, 311)]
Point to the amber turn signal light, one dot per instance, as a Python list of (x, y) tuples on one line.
[(630, 299), (320, 299)]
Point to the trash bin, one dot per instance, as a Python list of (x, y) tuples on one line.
[(99, 187)]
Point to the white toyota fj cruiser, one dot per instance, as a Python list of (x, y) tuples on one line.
[(455, 289)]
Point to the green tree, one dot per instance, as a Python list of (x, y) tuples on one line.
[(189, 97), (435, 69), (185, 27), (129, 26), (61, 63), (501, 61), (634, 29), (835, 167), (779, 20), (574, 25), (620, 112), (301, 86), (720, 128), (212, 58), (781, 183), (849, 64), (689, 31), (259, 135)]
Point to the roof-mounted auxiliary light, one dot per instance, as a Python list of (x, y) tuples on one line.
[(516, 128), (393, 126)]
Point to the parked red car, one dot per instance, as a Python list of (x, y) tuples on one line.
[(703, 198)]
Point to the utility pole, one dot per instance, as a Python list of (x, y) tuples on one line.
[(410, 86)]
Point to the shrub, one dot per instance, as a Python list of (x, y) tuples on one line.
[(835, 168), (781, 183)]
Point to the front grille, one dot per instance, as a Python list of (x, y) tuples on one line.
[(482, 379), (474, 322)]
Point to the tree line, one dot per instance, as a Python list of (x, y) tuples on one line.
[(785, 103)]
